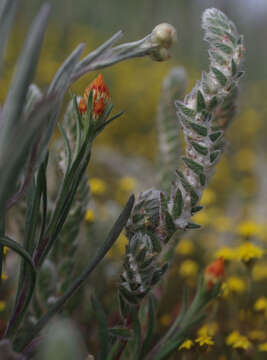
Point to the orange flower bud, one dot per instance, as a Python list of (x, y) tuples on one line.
[(101, 97), (82, 106), (214, 272)]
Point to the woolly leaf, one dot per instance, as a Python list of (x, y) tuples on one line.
[(216, 135), (199, 148), (177, 204), (200, 101), (219, 76), (184, 109), (193, 165)]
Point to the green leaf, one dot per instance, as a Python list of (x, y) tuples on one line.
[(193, 226), (7, 13), (149, 329), (219, 76), (199, 148), (200, 130), (103, 328), (214, 155), (25, 69), (224, 48), (120, 332), (196, 209), (201, 105), (193, 165), (216, 135), (184, 109), (188, 188), (26, 292), (202, 179), (102, 251), (177, 204)]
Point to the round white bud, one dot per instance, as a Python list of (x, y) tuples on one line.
[(164, 35)]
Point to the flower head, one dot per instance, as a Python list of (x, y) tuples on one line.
[(187, 344), (2, 305), (188, 269), (101, 97), (234, 284), (214, 272), (263, 347), (226, 253), (238, 341), (261, 304), (204, 340), (89, 216), (248, 252)]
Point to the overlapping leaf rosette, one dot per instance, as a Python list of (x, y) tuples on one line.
[(158, 215)]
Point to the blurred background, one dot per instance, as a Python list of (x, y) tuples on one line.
[(125, 156)]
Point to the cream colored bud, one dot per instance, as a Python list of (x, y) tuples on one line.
[(164, 35), (160, 54)]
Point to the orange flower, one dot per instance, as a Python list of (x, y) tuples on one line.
[(214, 272), (101, 97)]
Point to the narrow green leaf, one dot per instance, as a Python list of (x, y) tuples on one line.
[(103, 328), (224, 48), (193, 165), (188, 188), (184, 109), (213, 103), (199, 148), (201, 105), (120, 332), (177, 204), (196, 209), (7, 13), (219, 76), (214, 155), (25, 69), (110, 240), (200, 130), (149, 329), (193, 226), (216, 135)]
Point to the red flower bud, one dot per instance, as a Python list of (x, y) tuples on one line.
[(101, 97), (214, 272)]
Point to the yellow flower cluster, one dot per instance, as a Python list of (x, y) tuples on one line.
[(238, 341), (246, 252), (261, 305), (97, 186)]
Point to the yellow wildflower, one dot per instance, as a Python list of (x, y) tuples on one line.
[(256, 335), (4, 276), (165, 320), (249, 251), (187, 344), (185, 247), (89, 216), (188, 268), (5, 250), (242, 343), (2, 305), (127, 183), (208, 197), (232, 337), (226, 253), (259, 272), (204, 340), (208, 329), (235, 284), (262, 347), (249, 228), (261, 304), (238, 341), (97, 186)]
